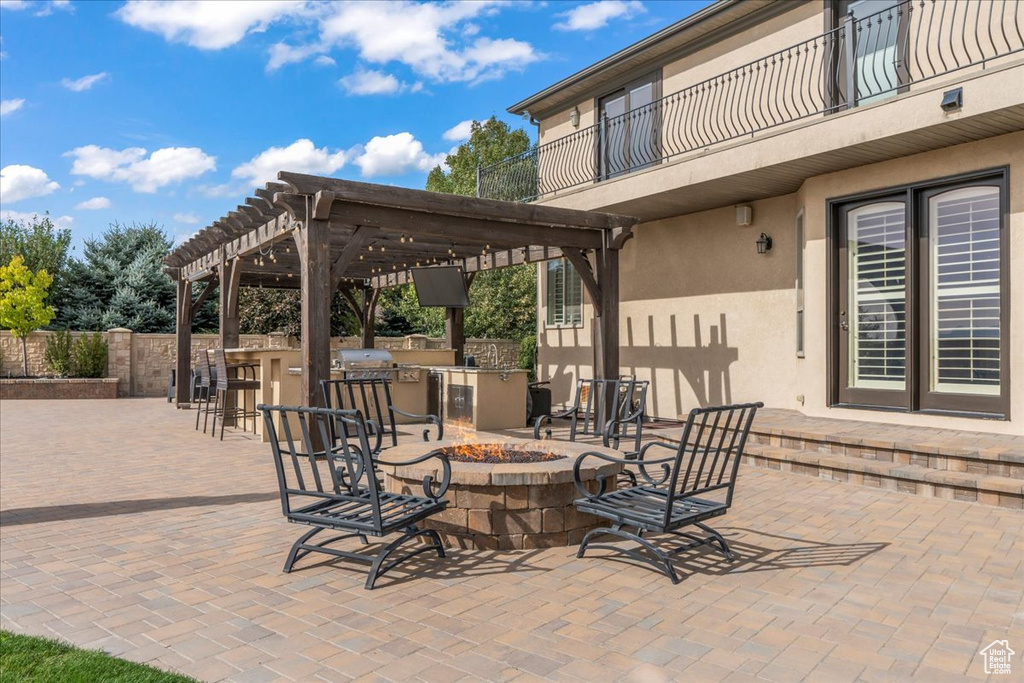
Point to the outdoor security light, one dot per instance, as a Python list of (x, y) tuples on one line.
[(574, 117), (764, 244), (953, 100)]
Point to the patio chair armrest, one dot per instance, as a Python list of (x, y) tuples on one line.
[(611, 427), (428, 480), (642, 462), (373, 429), (540, 421), (431, 419), (602, 479)]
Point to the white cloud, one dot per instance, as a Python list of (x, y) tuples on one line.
[(132, 166), (370, 82), (187, 218), (49, 7), (85, 82), (324, 60), (393, 155), (94, 203), (597, 14), (421, 37), (207, 24), (302, 156), (15, 4), (282, 54), (19, 182), (459, 132), (31, 216), (10, 106)]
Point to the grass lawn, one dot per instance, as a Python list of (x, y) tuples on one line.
[(26, 659)]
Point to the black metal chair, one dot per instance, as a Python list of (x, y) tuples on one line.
[(225, 385), (685, 489), (327, 478), (372, 397), (612, 409)]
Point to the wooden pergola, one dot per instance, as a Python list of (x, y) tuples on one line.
[(320, 234)]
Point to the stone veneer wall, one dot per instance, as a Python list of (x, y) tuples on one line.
[(143, 362)]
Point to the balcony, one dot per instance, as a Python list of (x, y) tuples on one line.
[(863, 61)]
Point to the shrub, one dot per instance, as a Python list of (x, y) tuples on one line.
[(58, 353), (528, 356), (89, 357)]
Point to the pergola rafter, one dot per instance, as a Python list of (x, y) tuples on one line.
[(360, 238)]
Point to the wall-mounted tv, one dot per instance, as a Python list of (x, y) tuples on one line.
[(441, 286)]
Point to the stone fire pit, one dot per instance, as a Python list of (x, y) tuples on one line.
[(504, 506)]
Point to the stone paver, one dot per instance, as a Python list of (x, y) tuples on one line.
[(122, 528)]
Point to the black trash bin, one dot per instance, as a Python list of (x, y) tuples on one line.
[(538, 401)]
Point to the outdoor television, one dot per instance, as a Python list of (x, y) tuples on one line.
[(441, 286)]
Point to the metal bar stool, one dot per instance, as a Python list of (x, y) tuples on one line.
[(226, 384)]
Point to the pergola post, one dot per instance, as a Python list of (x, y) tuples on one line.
[(183, 336), (315, 266), (368, 318), (230, 274), (606, 351), (455, 333)]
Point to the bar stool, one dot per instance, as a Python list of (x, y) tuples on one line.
[(226, 385), (207, 380)]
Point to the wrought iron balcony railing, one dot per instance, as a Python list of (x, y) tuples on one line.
[(862, 61)]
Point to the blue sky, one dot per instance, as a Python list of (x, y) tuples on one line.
[(173, 111)]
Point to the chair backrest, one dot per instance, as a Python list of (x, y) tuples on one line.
[(709, 452), (599, 400), (205, 371), (317, 458), (370, 396), (221, 364)]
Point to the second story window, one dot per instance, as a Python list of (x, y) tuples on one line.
[(629, 127), (564, 290)]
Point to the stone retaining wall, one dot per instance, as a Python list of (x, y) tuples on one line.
[(143, 362), (58, 388)]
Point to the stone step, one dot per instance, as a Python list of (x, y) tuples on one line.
[(930, 482), (987, 461)]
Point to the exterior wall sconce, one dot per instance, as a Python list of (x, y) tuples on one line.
[(744, 215), (952, 100), (574, 117), (764, 244)]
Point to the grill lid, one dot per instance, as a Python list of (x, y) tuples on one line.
[(365, 358)]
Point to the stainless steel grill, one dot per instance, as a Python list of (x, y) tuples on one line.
[(366, 363)]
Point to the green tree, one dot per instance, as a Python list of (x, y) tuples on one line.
[(504, 301), (489, 142), (265, 310), (42, 246), (23, 307), (121, 283)]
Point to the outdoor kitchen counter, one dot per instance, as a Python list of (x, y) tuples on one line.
[(408, 388), (486, 398)]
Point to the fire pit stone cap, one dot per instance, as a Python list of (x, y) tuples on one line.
[(501, 474)]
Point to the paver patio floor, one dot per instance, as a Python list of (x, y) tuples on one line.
[(124, 529)]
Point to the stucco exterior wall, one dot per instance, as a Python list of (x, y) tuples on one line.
[(707, 319)]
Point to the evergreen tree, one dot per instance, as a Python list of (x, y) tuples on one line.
[(121, 283)]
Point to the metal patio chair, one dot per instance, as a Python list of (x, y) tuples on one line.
[(685, 489), (372, 397), (612, 409), (327, 479)]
